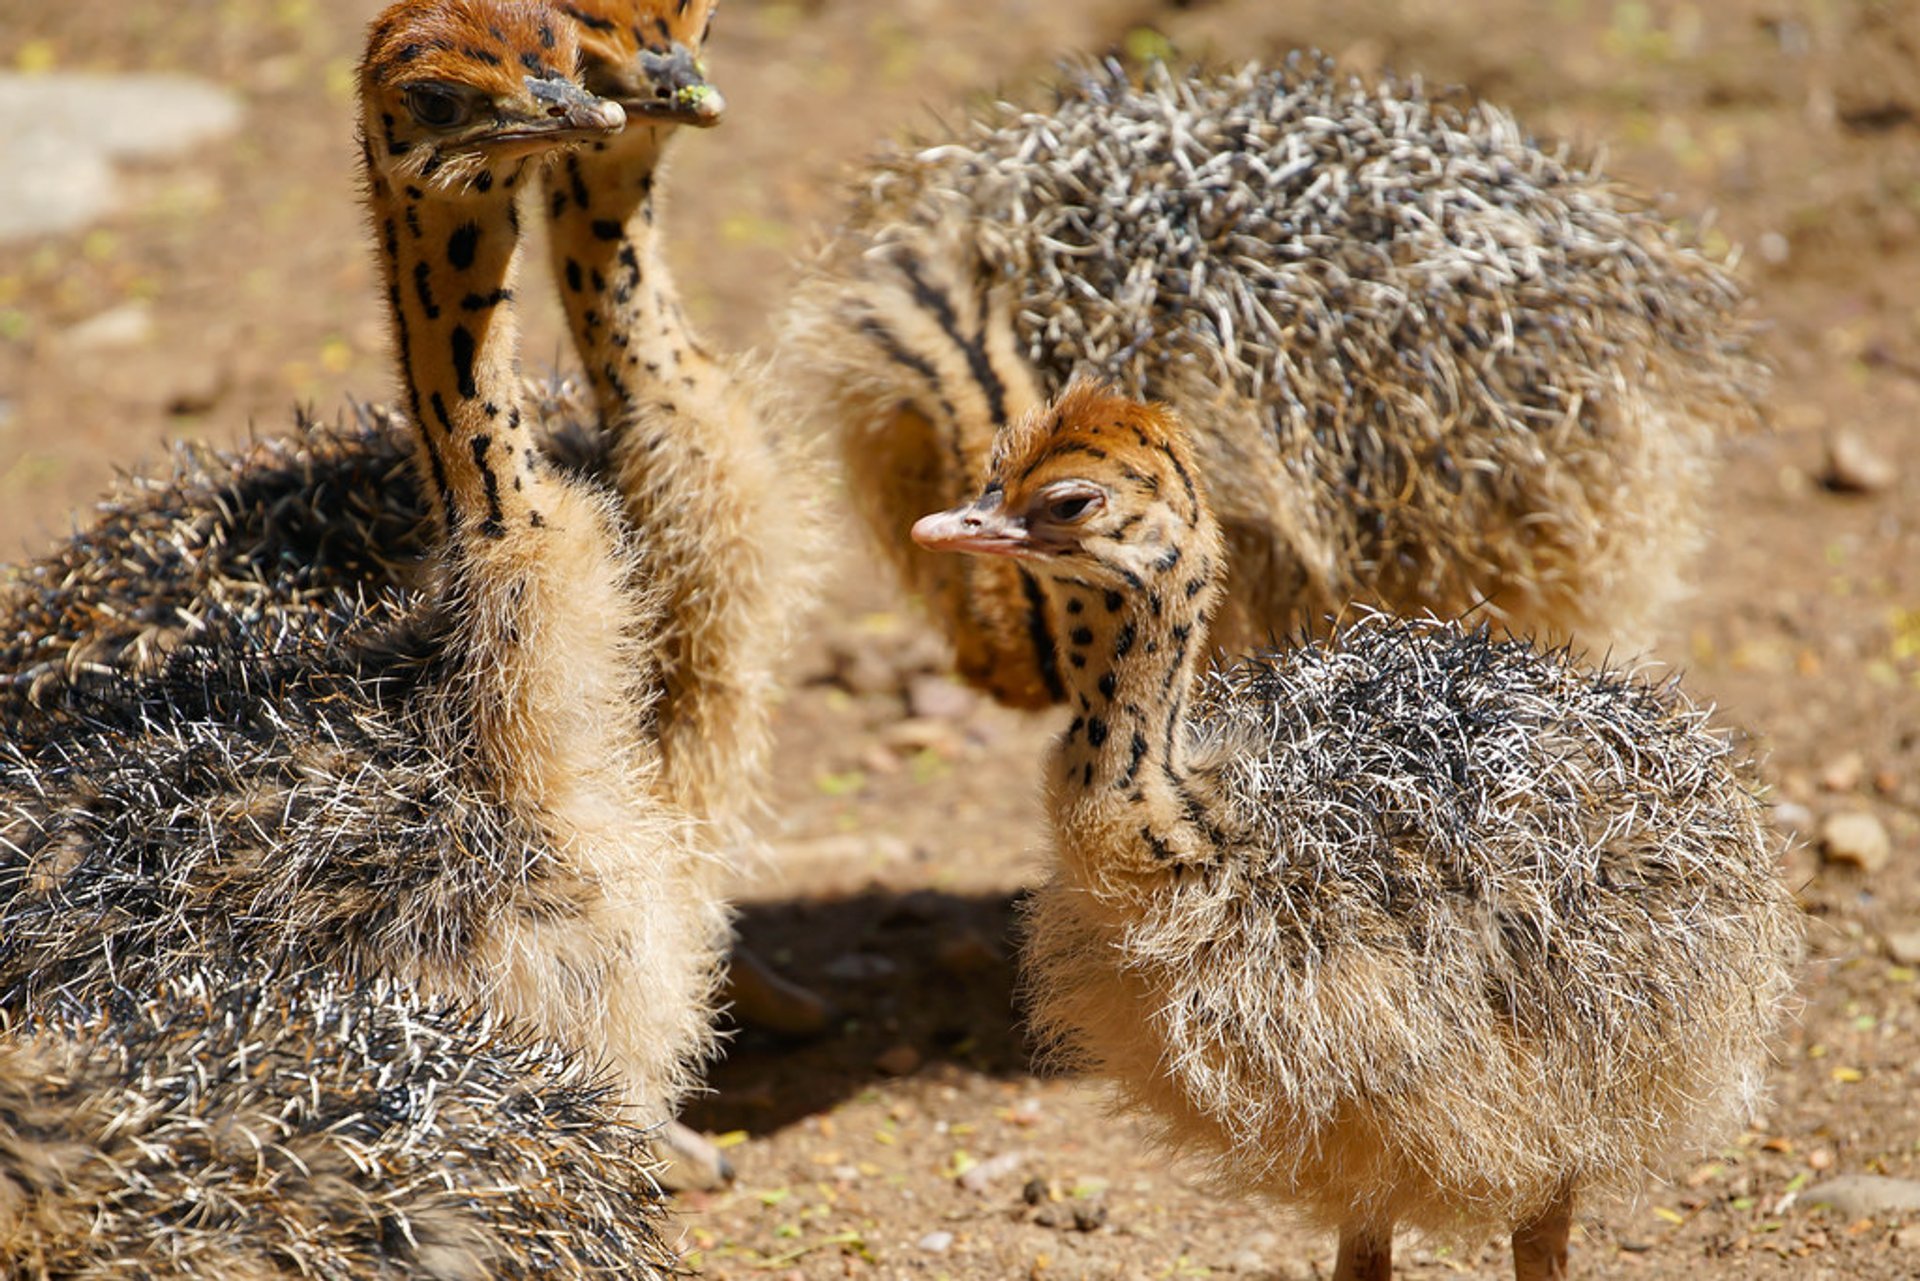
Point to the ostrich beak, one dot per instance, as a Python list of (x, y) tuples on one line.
[(983, 528), (670, 88), (565, 111)]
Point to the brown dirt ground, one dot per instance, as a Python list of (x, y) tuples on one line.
[(900, 841)]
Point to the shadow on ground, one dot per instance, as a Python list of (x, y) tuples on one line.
[(921, 978)]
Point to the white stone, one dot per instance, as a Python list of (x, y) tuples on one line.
[(60, 132), (128, 325), (1864, 1196)]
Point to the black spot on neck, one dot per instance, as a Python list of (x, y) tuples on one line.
[(423, 285), (463, 244), (577, 184), (586, 20), (1136, 752), (463, 356), (493, 526), (1045, 656)]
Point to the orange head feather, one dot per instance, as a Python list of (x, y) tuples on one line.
[(461, 91)]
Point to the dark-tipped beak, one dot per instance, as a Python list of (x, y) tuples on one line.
[(569, 113), (984, 531), (672, 88)]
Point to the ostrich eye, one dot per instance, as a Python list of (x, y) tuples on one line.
[(435, 107), (1071, 507)]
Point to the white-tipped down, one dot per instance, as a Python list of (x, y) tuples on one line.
[(1429, 364), (257, 1126), (1483, 926)]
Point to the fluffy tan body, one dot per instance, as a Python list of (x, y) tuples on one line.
[(461, 796), (1404, 926), (1429, 365), (293, 1127)]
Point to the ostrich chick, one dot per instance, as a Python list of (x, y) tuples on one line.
[(458, 799), (705, 482), (1407, 925), (1429, 365), (291, 1126), (325, 526)]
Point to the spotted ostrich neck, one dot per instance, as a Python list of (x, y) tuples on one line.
[(620, 300), (1128, 658), (448, 266)]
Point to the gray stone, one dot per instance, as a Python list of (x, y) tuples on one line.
[(981, 1177), (60, 133), (1792, 816), (1855, 838), (935, 1242), (1864, 1196), (1903, 946)]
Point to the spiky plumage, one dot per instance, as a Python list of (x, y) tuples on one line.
[(453, 787), (1429, 364), (324, 527), (330, 521), (1403, 924), (286, 1126)]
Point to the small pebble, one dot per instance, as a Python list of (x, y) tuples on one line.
[(901, 1060), (981, 1177), (1844, 774), (939, 698), (1855, 838), (935, 1242), (1907, 1238), (860, 967), (1792, 816), (1903, 947), (966, 954), (859, 669), (1853, 468), (923, 734)]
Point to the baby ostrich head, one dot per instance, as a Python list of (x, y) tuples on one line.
[(645, 55), (458, 94), (1094, 493)]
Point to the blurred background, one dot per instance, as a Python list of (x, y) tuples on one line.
[(181, 256)]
